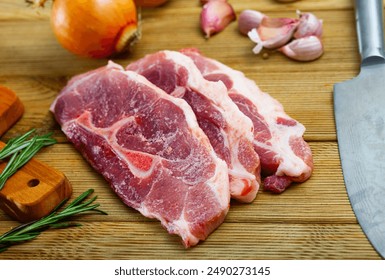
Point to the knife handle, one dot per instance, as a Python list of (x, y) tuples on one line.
[(369, 24)]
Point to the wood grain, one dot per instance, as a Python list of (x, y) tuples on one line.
[(313, 220), (140, 240)]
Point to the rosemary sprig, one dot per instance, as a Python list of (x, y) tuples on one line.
[(21, 149), (56, 219)]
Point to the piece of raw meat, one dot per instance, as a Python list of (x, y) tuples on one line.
[(149, 147), (229, 130), (278, 139)]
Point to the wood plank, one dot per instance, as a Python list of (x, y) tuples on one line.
[(322, 199), (312, 220), (138, 240), (33, 43), (19, 10)]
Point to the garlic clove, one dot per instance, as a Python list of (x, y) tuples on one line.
[(273, 33), (215, 16), (308, 25), (303, 49), (249, 19)]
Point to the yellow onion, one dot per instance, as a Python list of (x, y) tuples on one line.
[(95, 28)]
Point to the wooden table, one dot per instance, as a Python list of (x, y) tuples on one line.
[(313, 220)]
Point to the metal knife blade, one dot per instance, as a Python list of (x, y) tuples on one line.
[(359, 110)]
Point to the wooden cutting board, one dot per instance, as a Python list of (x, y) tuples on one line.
[(312, 220), (36, 188)]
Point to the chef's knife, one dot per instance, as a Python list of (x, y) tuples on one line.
[(359, 108)]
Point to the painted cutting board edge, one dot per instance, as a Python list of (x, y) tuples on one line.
[(36, 189)]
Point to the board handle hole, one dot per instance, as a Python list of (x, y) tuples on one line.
[(33, 183)]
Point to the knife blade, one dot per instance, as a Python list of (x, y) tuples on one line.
[(359, 111)]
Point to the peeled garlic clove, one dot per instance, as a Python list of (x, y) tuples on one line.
[(303, 49), (308, 25), (215, 16), (249, 19)]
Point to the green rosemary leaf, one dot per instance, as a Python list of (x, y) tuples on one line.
[(80, 198), (15, 144), (100, 211), (55, 220), (7, 171), (65, 225), (15, 229), (83, 205), (22, 149), (21, 238), (62, 203)]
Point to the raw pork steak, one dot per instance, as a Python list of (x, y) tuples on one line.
[(149, 147), (278, 139), (229, 130)]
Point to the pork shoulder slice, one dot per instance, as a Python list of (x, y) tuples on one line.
[(229, 130), (149, 147), (278, 139)]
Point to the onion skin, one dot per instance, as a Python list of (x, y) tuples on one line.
[(149, 3), (93, 28)]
